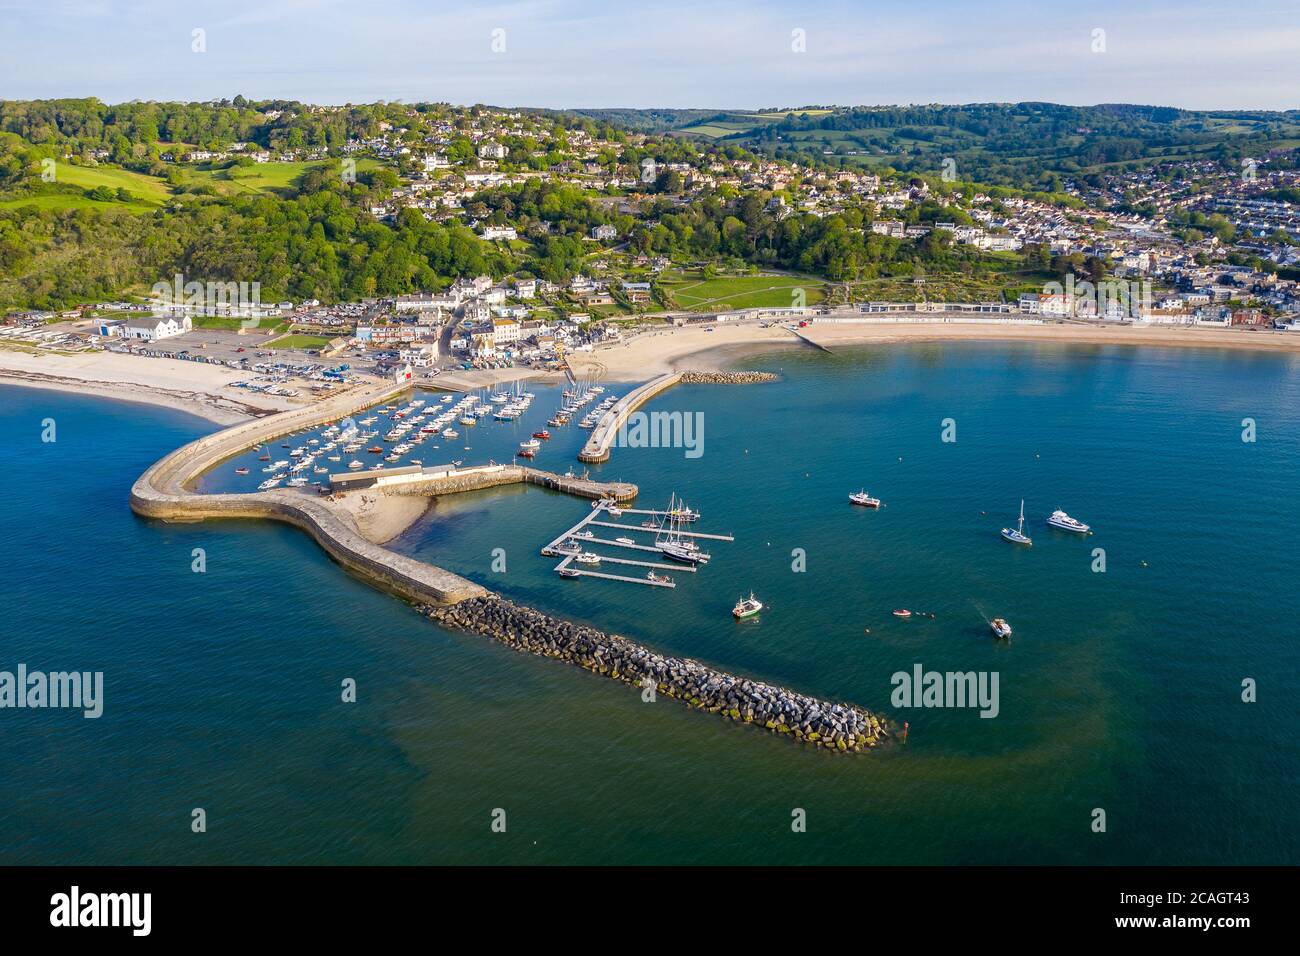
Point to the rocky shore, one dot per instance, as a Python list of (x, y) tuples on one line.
[(837, 727), (726, 378)]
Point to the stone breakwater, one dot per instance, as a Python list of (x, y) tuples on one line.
[(836, 727), (727, 378)]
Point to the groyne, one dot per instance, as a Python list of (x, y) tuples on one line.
[(836, 727)]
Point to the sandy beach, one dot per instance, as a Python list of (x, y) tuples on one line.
[(379, 517), (655, 353), (206, 390), (194, 387)]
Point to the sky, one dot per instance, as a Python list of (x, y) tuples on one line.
[(667, 53)]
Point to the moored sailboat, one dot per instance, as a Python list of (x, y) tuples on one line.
[(1017, 534)]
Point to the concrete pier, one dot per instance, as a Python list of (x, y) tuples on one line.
[(602, 437)]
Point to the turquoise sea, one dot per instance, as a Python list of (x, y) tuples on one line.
[(1121, 690)]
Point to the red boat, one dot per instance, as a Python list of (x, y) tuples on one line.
[(526, 453), (544, 435), (375, 450)]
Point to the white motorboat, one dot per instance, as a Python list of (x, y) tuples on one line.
[(1059, 519)]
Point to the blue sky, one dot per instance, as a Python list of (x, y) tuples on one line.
[(557, 53)]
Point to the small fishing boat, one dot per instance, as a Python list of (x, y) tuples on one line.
[(526, 453), (902, 612), (375, 450), (864, 499), (658, 578), (544, 435), (624, 541), (588, 557), (241, 471), (263, 457), (532, 444), (1001, 629), (354, 464), (747, 607), (450, 433), (568, 573), (1059, 519), (1017, 534)]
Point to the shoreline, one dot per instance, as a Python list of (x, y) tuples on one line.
[(190, 387), (682, 349)]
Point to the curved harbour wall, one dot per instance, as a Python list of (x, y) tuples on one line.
[(163, 492), (837, 727)]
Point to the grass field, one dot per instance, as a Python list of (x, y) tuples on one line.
[(743, 292), (729, 124), (263, 177), (149, 192), (230, 323), (74, 201), (300, 342), (148, 189)]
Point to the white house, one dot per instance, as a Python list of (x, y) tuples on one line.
[(151, 328), (604, 232)]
